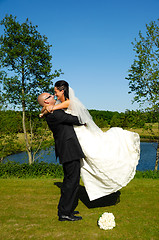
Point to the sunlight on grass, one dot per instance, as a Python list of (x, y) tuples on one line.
[(28, 210), (144, 134)]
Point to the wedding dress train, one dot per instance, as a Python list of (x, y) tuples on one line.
[(110, 162)]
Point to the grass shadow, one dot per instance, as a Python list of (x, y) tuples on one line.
[(105, 201)]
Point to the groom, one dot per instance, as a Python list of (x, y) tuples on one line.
[(69, 151)]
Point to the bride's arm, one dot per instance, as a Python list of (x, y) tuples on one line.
[(63, 105), (47, 109)]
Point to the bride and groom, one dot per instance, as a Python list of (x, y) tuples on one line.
[(108, 160)]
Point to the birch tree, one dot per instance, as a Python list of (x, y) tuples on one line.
[(25, 68)]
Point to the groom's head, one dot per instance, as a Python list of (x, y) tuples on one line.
[(46, 99)]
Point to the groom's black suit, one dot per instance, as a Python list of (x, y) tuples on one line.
[(69, 151)]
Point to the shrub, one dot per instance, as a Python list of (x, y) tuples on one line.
[(13, 169), (43, 169), (147, 174)]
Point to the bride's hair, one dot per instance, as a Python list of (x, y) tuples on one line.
[(76, 107), (63, 85)]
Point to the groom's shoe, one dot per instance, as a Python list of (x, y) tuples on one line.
[(69, 218), (75, 212)]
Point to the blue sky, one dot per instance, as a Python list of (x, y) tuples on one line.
[(91, 42)]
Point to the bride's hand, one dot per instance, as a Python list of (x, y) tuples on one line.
[(50, 108), (41, 115)]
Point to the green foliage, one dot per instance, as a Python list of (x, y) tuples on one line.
[(136, 118), (100, 122), (9, 145), (129, 119), (26, 53), (10, 122), (106, 116), (42, 169), (147, 174), (116, 121), (144, 73)]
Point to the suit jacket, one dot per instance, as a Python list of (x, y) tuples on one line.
[(67, 146)]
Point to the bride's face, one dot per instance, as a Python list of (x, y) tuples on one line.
[(59, 94)]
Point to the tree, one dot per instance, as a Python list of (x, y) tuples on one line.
[(115, 121), (25, 64), (135, 119), (144, 73)]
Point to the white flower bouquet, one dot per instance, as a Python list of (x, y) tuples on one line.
[(106, 221)]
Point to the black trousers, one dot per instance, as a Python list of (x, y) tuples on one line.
[(69, 199)]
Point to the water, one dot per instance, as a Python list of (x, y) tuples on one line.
[(44, 155), (146, 162), (147, 156)]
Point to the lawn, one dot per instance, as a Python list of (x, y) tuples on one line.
[(28, 210)]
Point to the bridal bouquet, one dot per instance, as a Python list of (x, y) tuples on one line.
[(106, 221)]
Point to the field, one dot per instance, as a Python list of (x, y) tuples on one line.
[(28, 210), (145, 135)]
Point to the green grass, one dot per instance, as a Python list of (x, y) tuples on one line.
[(28, 210), (145, 135)]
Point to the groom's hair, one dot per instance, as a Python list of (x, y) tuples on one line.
[(63, 85)]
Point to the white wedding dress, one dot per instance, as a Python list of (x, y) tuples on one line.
[(111, 157)]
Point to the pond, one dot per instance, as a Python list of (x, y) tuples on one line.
[(146, 162)]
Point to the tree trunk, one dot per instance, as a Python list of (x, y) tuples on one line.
[(28, 147), (30, 157)]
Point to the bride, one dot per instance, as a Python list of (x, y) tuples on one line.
[(111, 157)]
